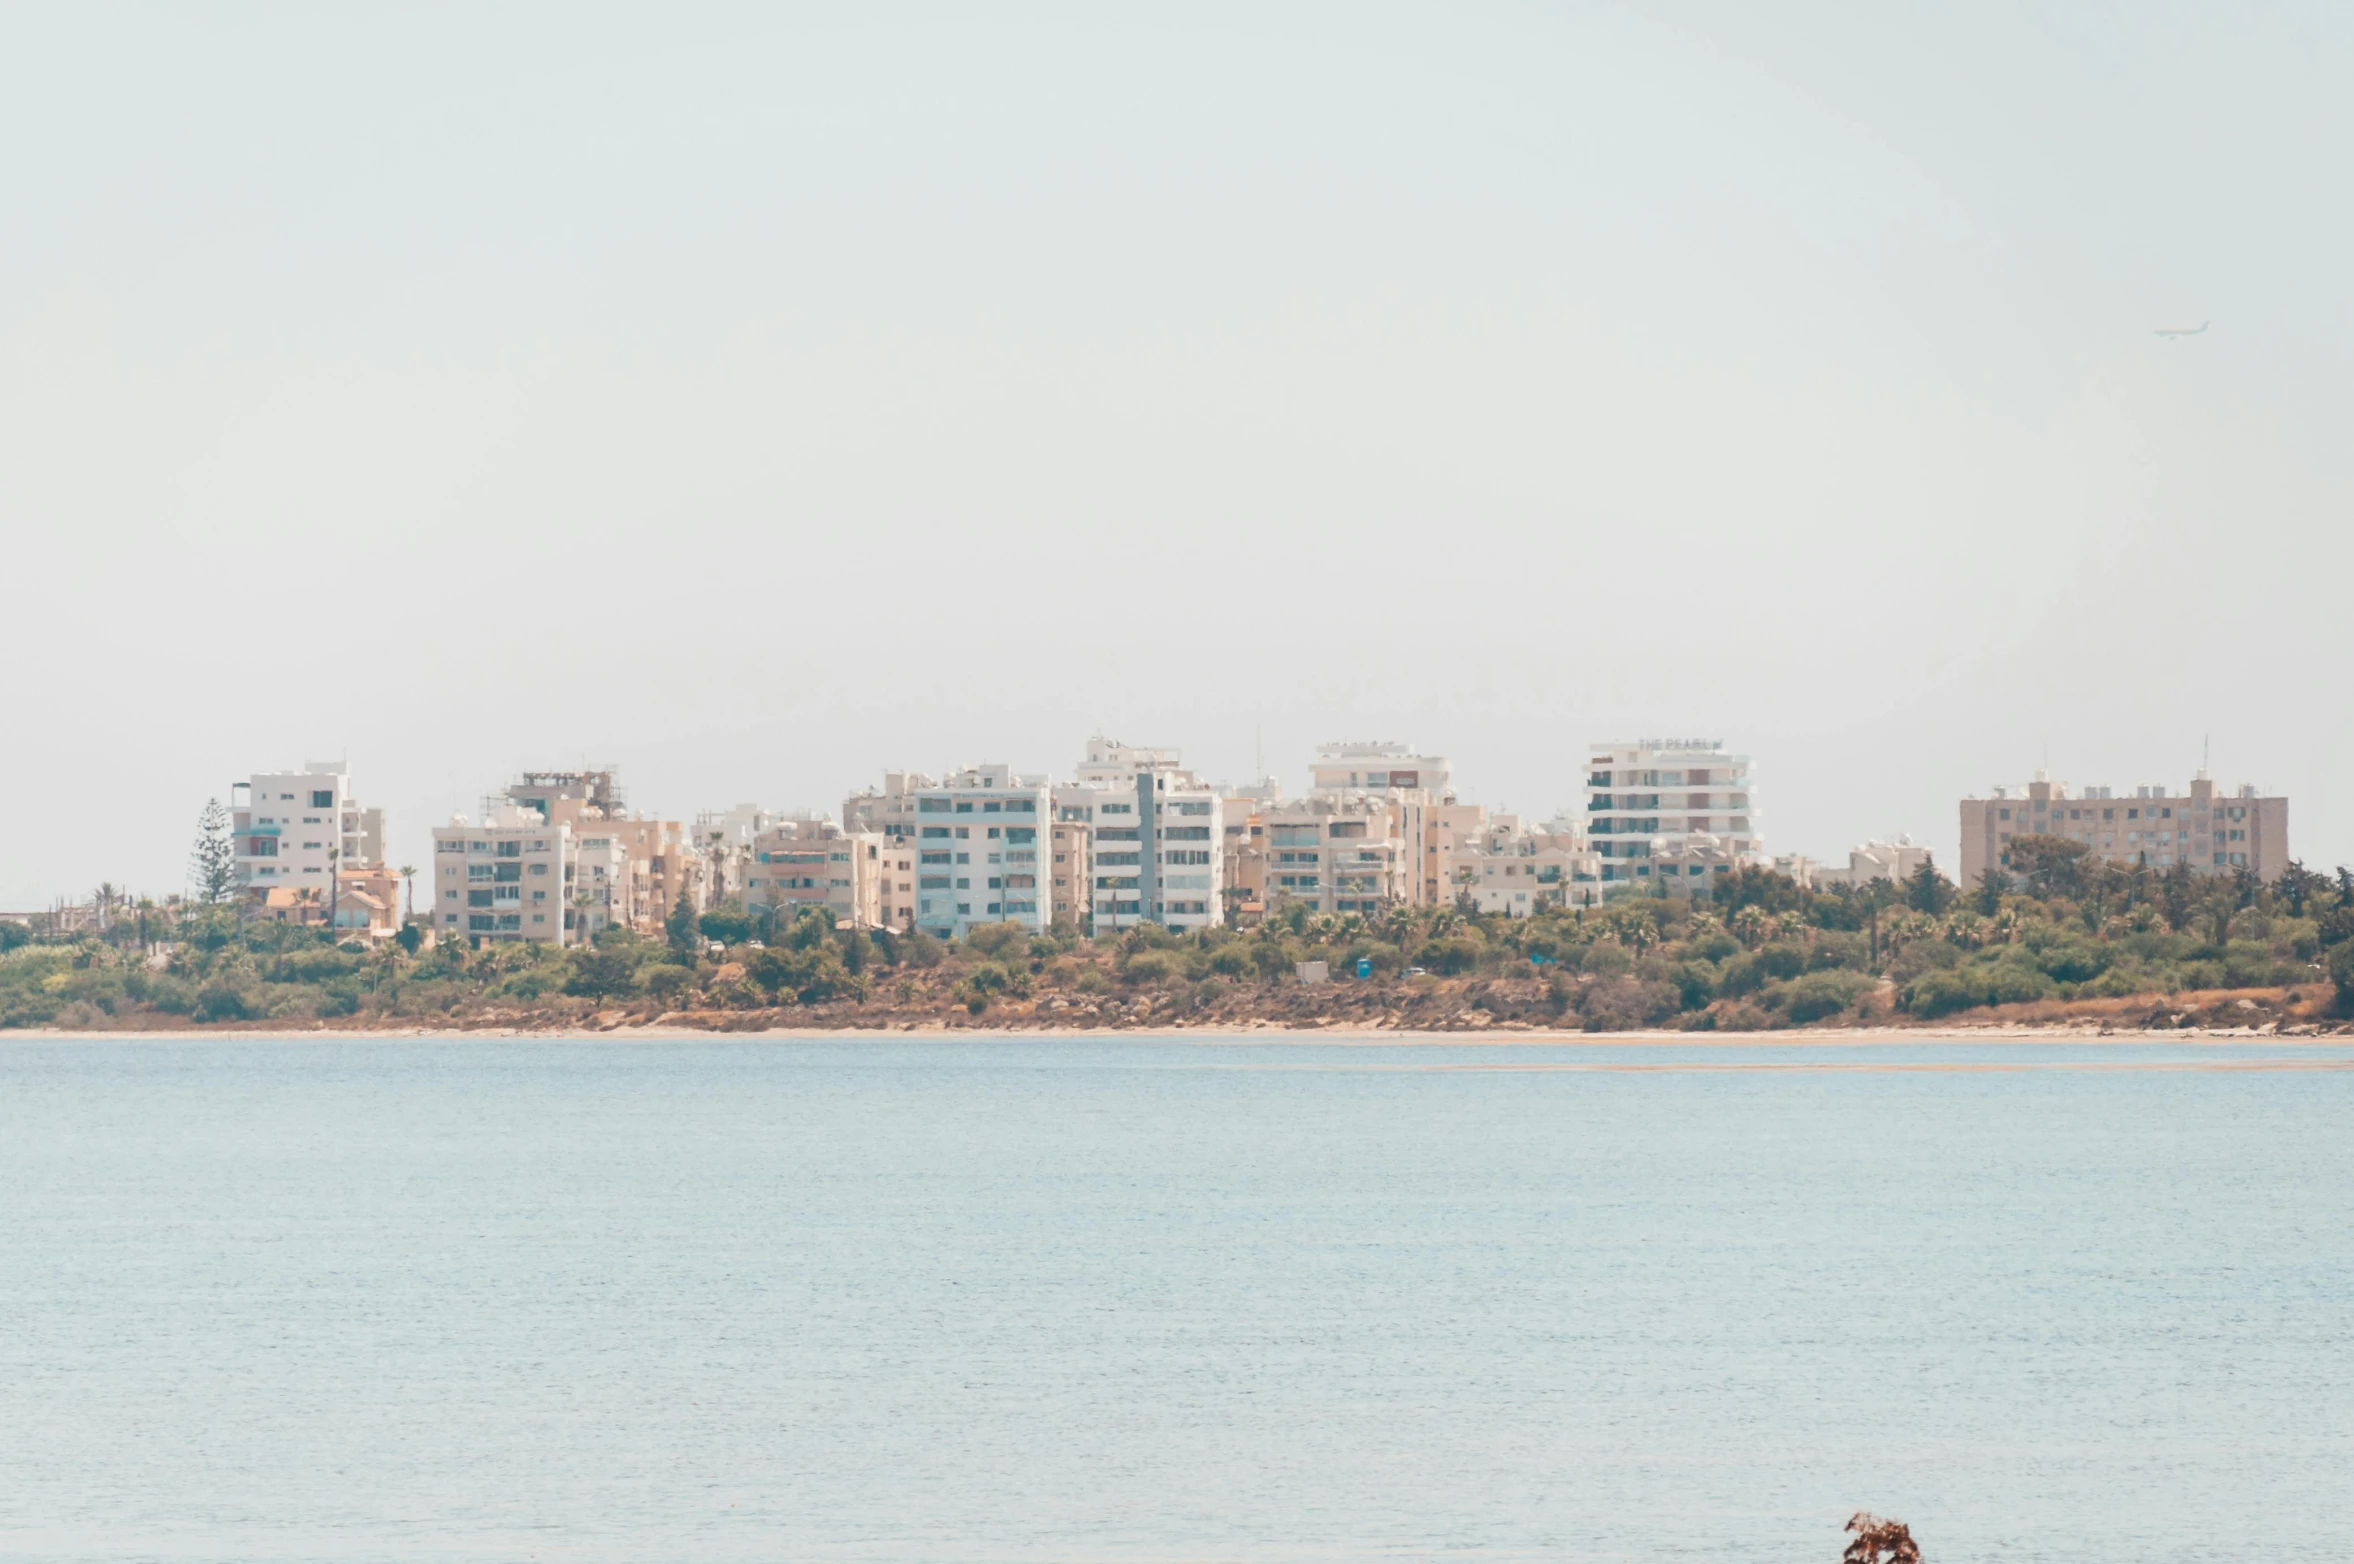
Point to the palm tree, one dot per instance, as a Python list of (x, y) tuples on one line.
[(717, 854), (409, 890)]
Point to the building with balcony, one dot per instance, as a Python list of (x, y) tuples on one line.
[(1654, 797), (1507, 867), (605, 884), (2210, 831), (1070, 864), (1331, 853), (889, 809), (1155, 838), (1374, 766), (508, 878), (633, 868), (293, 828), (978, 836), (722, 844), (812, 862)]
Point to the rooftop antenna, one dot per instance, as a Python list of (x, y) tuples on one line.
[(2206, 752)]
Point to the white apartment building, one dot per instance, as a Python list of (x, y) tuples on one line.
[(1663, 797), (723, 841), (291, 826), (508, 878), (978, 839), (1506, 867), (1155, 838), (2212, 832), (812, 862), (1373, 766)]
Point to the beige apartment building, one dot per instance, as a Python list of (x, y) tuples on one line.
[(1438, 836), (507, 879), (1398, 824), (815, 863), (604, 884), (895, 883), (1071, 864), (1505, 867), (889, 809), (1337, 853), (1866, 861), (639, 866), (890, 812), (2205, 828)]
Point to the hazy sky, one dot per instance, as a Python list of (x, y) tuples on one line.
[(760, 398)]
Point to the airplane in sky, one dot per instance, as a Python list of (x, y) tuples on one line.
[(2182, 331)]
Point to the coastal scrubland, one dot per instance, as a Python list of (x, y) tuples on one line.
[(2061, 940)]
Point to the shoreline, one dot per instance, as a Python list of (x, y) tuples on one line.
[(1214, 1037)]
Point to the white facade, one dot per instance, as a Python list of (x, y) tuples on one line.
[(291, 826), (979, 834), (1156, 837), (508, 878), (723, 841), (1689, 798), (1372, 767)]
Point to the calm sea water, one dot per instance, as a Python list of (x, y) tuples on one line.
[(1139, 1300)]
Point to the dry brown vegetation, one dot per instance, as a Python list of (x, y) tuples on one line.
[(1880, 1542)]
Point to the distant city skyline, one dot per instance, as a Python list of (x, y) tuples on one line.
[(759, 398)]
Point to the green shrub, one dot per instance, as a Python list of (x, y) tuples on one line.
[(601, 973), (999, 941), (1231, 960), (728, 925), (1695, 983), (1150, 966), (1818, 995), (1833, 950), (665, 980), (220, 1002), (2072, 960)]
